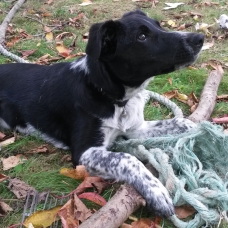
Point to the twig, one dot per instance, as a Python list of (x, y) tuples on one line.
[(39, 21), (208, 96), (117, 210), (8, 18)]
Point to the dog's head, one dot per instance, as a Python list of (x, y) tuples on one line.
[(136, 48)]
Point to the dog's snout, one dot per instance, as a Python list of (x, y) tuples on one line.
[(196, 39)]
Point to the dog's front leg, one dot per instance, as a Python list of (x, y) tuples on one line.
[(161, 128), (124, 167)]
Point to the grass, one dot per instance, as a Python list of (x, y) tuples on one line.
[(42, 171)]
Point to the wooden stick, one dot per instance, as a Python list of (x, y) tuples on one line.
[(117, 210), (8, 18), (208, 96)]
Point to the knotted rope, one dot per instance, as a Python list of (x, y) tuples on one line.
[(193, 167)]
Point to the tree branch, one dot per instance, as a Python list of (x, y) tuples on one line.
[(117, 210), (8, 18), (208, 96)]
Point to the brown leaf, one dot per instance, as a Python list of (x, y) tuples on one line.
[(2, 177), (2, 136), (12, 161), (184, 211), (170, 81), (63, 34), (40, 149), (220, 120), (4, 208), (223, 97), (20, 188), (144, 223), (73, 212), (92, 182), (49, 2), (62, 50), (79, 173), (27, 53), (170, 94), (12, 42), (7, 142), (94, 197)]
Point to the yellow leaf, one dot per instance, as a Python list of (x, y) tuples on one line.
[(42, 218), (49, 36), (171, 23), (63, 51), (182, 96), (79, 173)]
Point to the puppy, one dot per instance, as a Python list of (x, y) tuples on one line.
[(86, 104)]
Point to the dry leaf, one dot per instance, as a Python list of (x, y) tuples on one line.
[(220, 120), (171, 23), (49, 2), (20, 188), (94, 197), (27, 53), (222, 97), (144, 223), (170, 94), (85, 3), (2, 177), (172, 5), (49, 36), (184, 211), (43, 218), (62, 50), (92, 182), (73, 212), (4, 208), (7, 142), (181, 96), (40, 149), (208, 45), (12, 161), (79, 173), (62, 35)]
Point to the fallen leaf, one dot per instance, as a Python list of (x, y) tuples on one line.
[(27, 53), (181, 96), (79, 173), (170, 94), (4, 208), (85, 3), (92, 182), (40, 149), (49, 36), (49, 2), (170, 81), (171, 23), (2, 177), (172, 5), (62, 50), (220, 120), (20, 188), (208, 45), (184, 211), (12, 161), (222, 97), (7, 142), (2, 136), (144, 223), (73, 212), (94, 197), (62, 35), (43, 218), (12, 42)]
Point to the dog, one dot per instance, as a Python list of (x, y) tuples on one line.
[(84, 105)]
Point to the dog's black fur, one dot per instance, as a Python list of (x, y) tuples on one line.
[(84, 105)]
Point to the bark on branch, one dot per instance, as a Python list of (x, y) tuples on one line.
[(117, 210), (3, 28), (8, 18), (208, 96)]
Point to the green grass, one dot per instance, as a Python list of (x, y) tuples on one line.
[(42, 170)]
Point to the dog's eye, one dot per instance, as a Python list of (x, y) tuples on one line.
[(142, 37)]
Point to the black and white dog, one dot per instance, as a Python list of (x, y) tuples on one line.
[(86, 104)]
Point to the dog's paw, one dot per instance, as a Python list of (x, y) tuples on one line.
[(159, 201), (156, 196)]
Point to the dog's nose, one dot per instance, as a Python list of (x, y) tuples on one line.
[(196, 39)]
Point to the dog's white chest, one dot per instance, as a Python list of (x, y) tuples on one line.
[(125, 118)]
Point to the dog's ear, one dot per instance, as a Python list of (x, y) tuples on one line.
[(103, 39)]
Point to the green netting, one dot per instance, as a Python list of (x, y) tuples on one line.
[(193, 166)]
